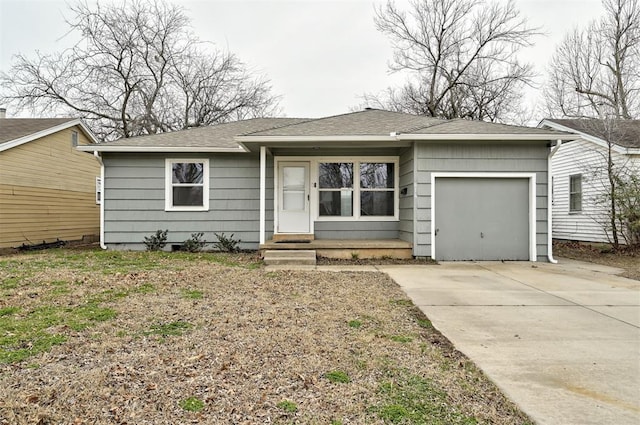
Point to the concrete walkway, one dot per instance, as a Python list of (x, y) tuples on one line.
[(562, 341)]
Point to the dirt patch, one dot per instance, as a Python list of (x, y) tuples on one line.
[(626, 258), (205, 338)]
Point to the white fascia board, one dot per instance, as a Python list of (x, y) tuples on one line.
[(311, 139), (506, 137), (189, 149), (42, 133), (581, 135)]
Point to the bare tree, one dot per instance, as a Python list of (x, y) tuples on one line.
[(460, 57), (137, 69), (595, 71)]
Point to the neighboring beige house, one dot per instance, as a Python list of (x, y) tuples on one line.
[(48, 189)]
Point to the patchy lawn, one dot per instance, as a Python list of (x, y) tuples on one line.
[(627, 259), (113, 337)]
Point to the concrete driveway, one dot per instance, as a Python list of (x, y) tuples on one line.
[(562, 341)]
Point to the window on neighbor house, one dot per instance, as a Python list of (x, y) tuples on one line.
[(575, 193), (98, 190), (187, 185), (340, 194), (74, 138)]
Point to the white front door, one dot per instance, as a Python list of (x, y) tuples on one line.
[(293, 197)]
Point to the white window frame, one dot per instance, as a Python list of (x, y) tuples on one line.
[(169, 185), (314, 162), (74, 138), (98, 190), (572, 194)]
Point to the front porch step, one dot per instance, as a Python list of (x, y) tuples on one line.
[(306, 257), (280, 237)]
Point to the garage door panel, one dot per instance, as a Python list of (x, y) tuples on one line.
[(482, 218)]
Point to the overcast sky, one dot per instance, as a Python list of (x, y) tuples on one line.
[(320, 55)]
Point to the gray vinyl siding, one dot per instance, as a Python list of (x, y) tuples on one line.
[(356, 229), (405, 229), (134, 194), (476, 156)]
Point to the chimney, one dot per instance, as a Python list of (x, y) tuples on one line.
[(3, 113)]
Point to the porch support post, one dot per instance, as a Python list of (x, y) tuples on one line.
[(263, 191)]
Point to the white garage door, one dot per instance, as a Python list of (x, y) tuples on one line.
[(481, 218)]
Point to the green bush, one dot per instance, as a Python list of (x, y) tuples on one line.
[(156, 241), (194, 244), (226, 244)]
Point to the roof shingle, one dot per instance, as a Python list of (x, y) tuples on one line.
[(15, 128), (625, 133)]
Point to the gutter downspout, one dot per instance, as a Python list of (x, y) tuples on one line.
[(99, 158), (263, 189), (550, 204)]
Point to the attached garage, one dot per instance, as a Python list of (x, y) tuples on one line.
[(483, 216)]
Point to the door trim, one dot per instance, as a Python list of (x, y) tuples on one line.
[(532, 203), (276, 192)]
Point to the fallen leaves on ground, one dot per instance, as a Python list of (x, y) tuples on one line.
[(258, 348)]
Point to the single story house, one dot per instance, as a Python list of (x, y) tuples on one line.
[(445, 189), (580, 178), (47, 188)]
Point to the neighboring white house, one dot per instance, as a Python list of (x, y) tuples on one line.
[(579, 174)]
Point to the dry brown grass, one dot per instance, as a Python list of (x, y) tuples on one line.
[(256, 346), (625, 258)]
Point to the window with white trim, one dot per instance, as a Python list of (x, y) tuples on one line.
[(357, 189), (335, 189), (98, 190), (187, 185), (575, 193), (377, 189)]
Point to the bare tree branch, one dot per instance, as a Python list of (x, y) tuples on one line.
[(460, 56), (595, 71), (137, 70)]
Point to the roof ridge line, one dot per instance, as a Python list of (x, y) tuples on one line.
[(302, 121)]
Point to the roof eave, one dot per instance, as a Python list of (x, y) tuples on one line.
[(582, 135), (186, 149), (471, 136), (46, 132), (312, 139)]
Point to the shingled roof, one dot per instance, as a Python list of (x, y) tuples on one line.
[(215, 136), (365, 126), (625, 133), (16, 128), (370, 122)]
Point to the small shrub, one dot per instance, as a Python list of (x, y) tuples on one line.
[(192, 404), (194, 244), (337, 376), (355, 255), (288, 406), (226, 244), (156, 241)]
